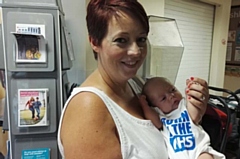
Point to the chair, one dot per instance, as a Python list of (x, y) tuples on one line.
[(217, 120)]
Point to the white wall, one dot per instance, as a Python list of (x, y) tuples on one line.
[(153, 7), (219, 46), (75, 12)]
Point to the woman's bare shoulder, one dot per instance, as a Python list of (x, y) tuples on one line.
[(87, 106), (88, 129)]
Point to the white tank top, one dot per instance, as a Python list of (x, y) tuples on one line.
[(139, 138)]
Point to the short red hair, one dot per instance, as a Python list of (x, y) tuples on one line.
[(100, 12)]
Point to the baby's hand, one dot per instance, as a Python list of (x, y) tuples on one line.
[(150, 113)]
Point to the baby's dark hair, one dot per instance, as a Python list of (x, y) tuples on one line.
[(146, 90)]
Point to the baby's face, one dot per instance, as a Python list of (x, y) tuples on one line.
[(165, 96)]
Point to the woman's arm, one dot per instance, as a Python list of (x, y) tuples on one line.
[(88, 130)]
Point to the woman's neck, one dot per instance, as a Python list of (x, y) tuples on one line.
[(122, 93), (109, 85)]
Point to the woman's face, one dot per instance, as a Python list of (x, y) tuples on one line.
[(123, 49)]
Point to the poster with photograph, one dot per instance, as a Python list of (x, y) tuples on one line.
[(32, 107), (30, 43)]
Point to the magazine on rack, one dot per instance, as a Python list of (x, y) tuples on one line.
[(30, 43), (32, 107), (30, 48)]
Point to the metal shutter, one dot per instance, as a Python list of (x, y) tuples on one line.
[(195, 22)]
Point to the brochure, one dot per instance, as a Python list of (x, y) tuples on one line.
[(41, 153), (30, 48), (30, 43), (32, 107)]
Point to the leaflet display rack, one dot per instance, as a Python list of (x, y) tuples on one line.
[(30, 39), (37, 52)]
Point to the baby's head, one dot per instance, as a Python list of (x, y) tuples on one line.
[(162, 94)]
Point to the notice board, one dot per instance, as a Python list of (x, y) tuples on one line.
[(233, 45)]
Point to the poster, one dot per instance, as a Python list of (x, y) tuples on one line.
[(229, 52), (237, 54), (32, 107), (233, 51), (238, 37)]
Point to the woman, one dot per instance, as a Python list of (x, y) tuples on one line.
[(103, 118)]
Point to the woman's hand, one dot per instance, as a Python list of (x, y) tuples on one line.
[(197, 96), (150, 113)]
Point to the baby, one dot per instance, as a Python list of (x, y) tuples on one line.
[(183, 138)]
